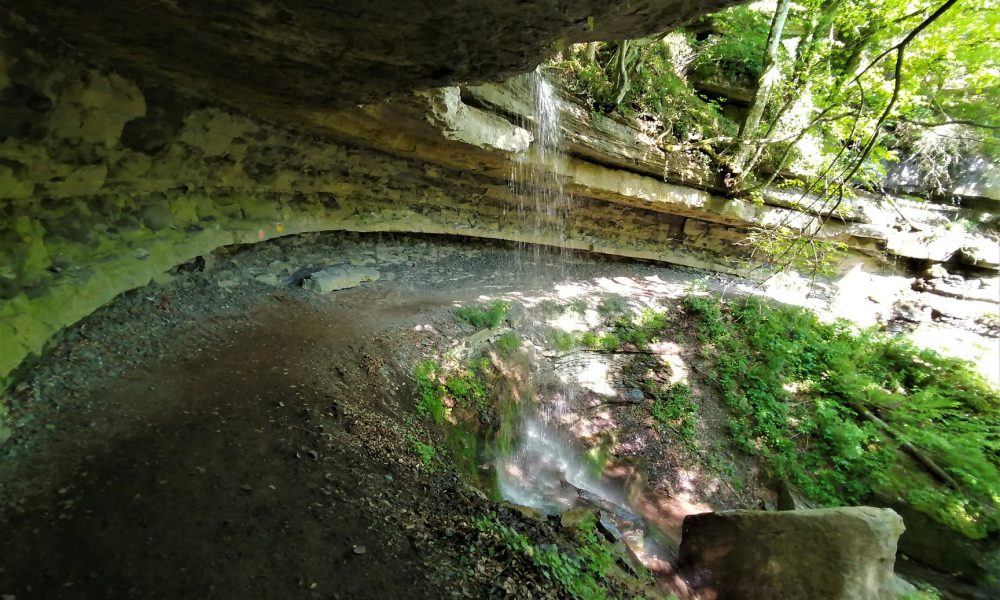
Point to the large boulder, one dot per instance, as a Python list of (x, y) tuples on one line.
[(828, 553)]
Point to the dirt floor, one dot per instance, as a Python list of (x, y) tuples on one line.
[(219, 437), (228, 434)]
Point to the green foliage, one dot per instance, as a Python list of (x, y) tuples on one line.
[(735, 51), (788, 248), (579, 572), (606, 341), (674, 408), (462, 386), (426, 453), (654, 87), (796, 389), (563, 341), (835, 80), (432, 391), (466, 389), (924, 592), (484, 315), (463, 450), (597, 556), (643, 330), (508, 342)]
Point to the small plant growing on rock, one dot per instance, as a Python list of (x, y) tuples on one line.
[(563, 341), (440, 388), (643, 330), (431, 401), (508, 342), (426, 453), (606, 341), (466, 389), (482, 315)]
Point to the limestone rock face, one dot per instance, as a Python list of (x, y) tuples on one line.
[(107, 181), (829, 553), (282, 57)]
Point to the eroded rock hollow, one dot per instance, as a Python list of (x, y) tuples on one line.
[(139, 136)]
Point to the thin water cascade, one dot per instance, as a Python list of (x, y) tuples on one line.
[(541, 468), (543, 205), (544, 470)]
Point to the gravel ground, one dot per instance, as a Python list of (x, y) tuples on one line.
[(225, 433)]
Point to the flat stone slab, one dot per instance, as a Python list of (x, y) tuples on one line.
[(339, 278)]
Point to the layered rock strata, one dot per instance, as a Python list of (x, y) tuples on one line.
[(107, 181)]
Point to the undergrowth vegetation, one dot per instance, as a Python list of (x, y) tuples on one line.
[(581, 571), (674, 408), (426, 453), (655, 88), (455, 397), (442, 388), (844, 413), (841, 413), (508, 342), (484, 315)]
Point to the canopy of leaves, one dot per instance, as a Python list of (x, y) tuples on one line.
[(734, 51), (841, 110), (656, 86)]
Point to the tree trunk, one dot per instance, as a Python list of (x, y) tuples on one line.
[(808, 48), (623, 78), (768, 77)]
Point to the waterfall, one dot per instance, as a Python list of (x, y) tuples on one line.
[(543, 205), (542, 465), (544, 469)]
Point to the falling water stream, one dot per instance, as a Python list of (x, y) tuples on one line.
[(543, 470), (546, 469), (543, 206)]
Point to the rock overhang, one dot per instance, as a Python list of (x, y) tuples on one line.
[(277, 58)]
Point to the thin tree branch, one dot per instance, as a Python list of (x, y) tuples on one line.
[(950, 122)]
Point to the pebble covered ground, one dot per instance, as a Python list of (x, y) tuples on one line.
[(227, 433)]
